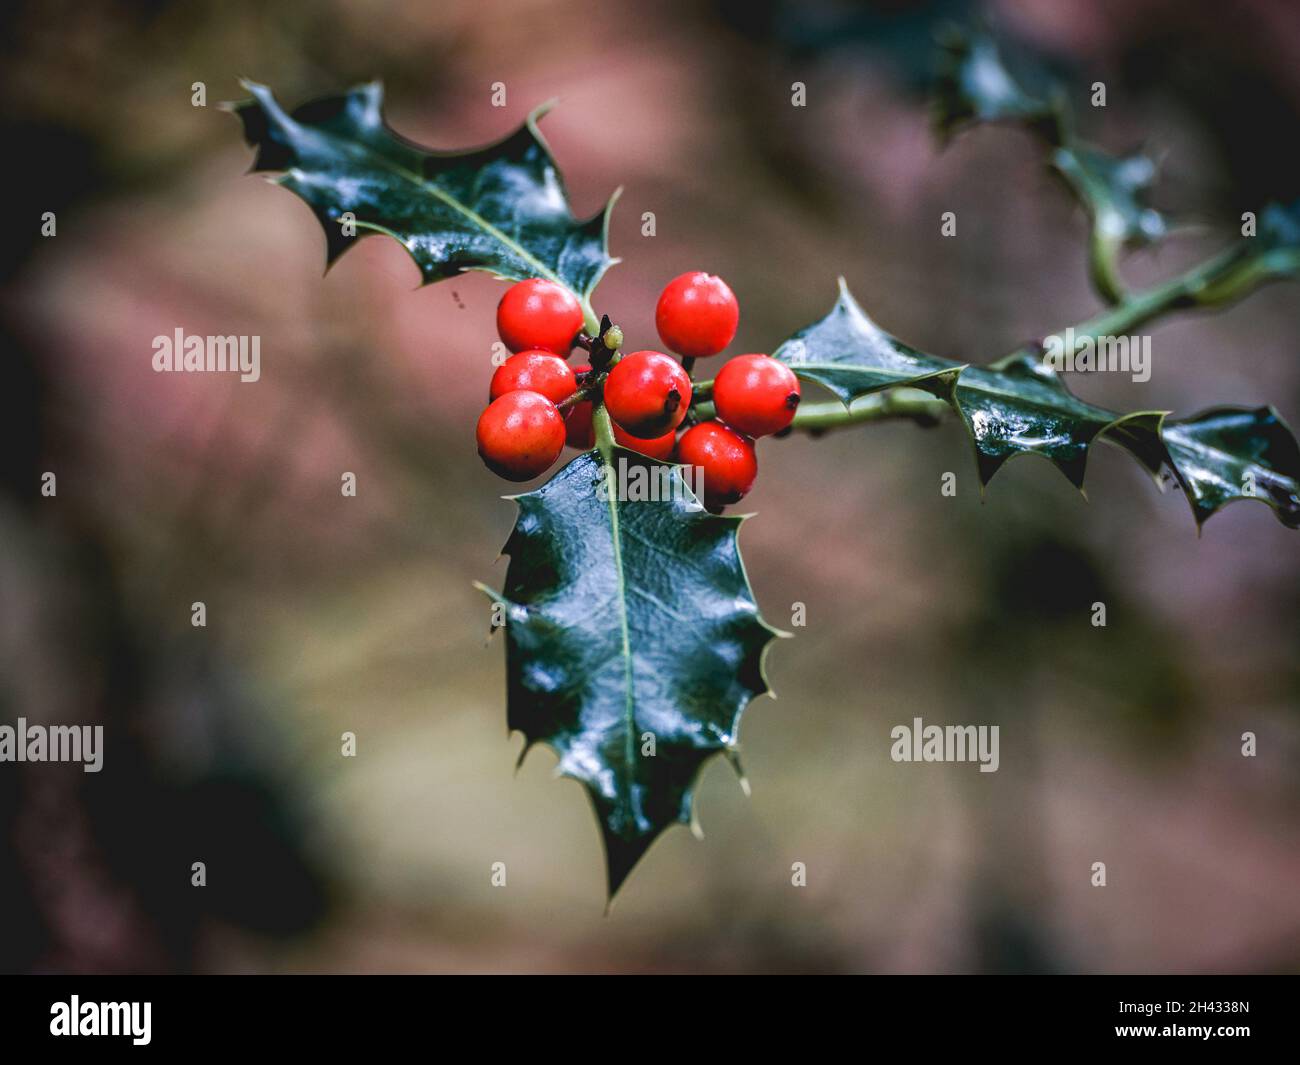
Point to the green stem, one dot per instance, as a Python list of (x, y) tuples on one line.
[(1103, 268), (1221, 280), (894, 405), (1187, 290), (572, 400), (600, 421), (591, 323)]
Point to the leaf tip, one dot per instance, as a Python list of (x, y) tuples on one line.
[(541, 111), (733, 757)]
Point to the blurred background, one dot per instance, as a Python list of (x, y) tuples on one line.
[(328, 614)]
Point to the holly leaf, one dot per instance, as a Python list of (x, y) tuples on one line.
[(1272, 254), (1226, 454), (502, 209), (633, 641), (1113, 191), (1279, 236), (1020, 406), (975, 86)]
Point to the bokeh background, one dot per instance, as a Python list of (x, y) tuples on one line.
[(328, 614)]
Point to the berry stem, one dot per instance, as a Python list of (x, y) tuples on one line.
[(700, 390), (688, 364), (581, 395)]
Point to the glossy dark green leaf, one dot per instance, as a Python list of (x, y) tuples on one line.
[(1021, 407), (1272, 254), (1231, 453), (502, 208), (975, 86), (1279, 234), (629, 621), (1113, 191)]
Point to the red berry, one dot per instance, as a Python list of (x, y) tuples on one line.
[(539, 314), (660, 448), (756, 394), (582, 435), (697, 315), (647, 393), (577, 422), (726, 460), (534, 371), (520, 435)]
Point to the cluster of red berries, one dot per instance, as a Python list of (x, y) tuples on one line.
[(538, 402)]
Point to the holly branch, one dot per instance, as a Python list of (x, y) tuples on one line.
[(633, 640)]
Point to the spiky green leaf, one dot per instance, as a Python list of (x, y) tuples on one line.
[(1272, 254), (974, 86), (630, 628), (1113, 190), (502, 209), (1020, 406)]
